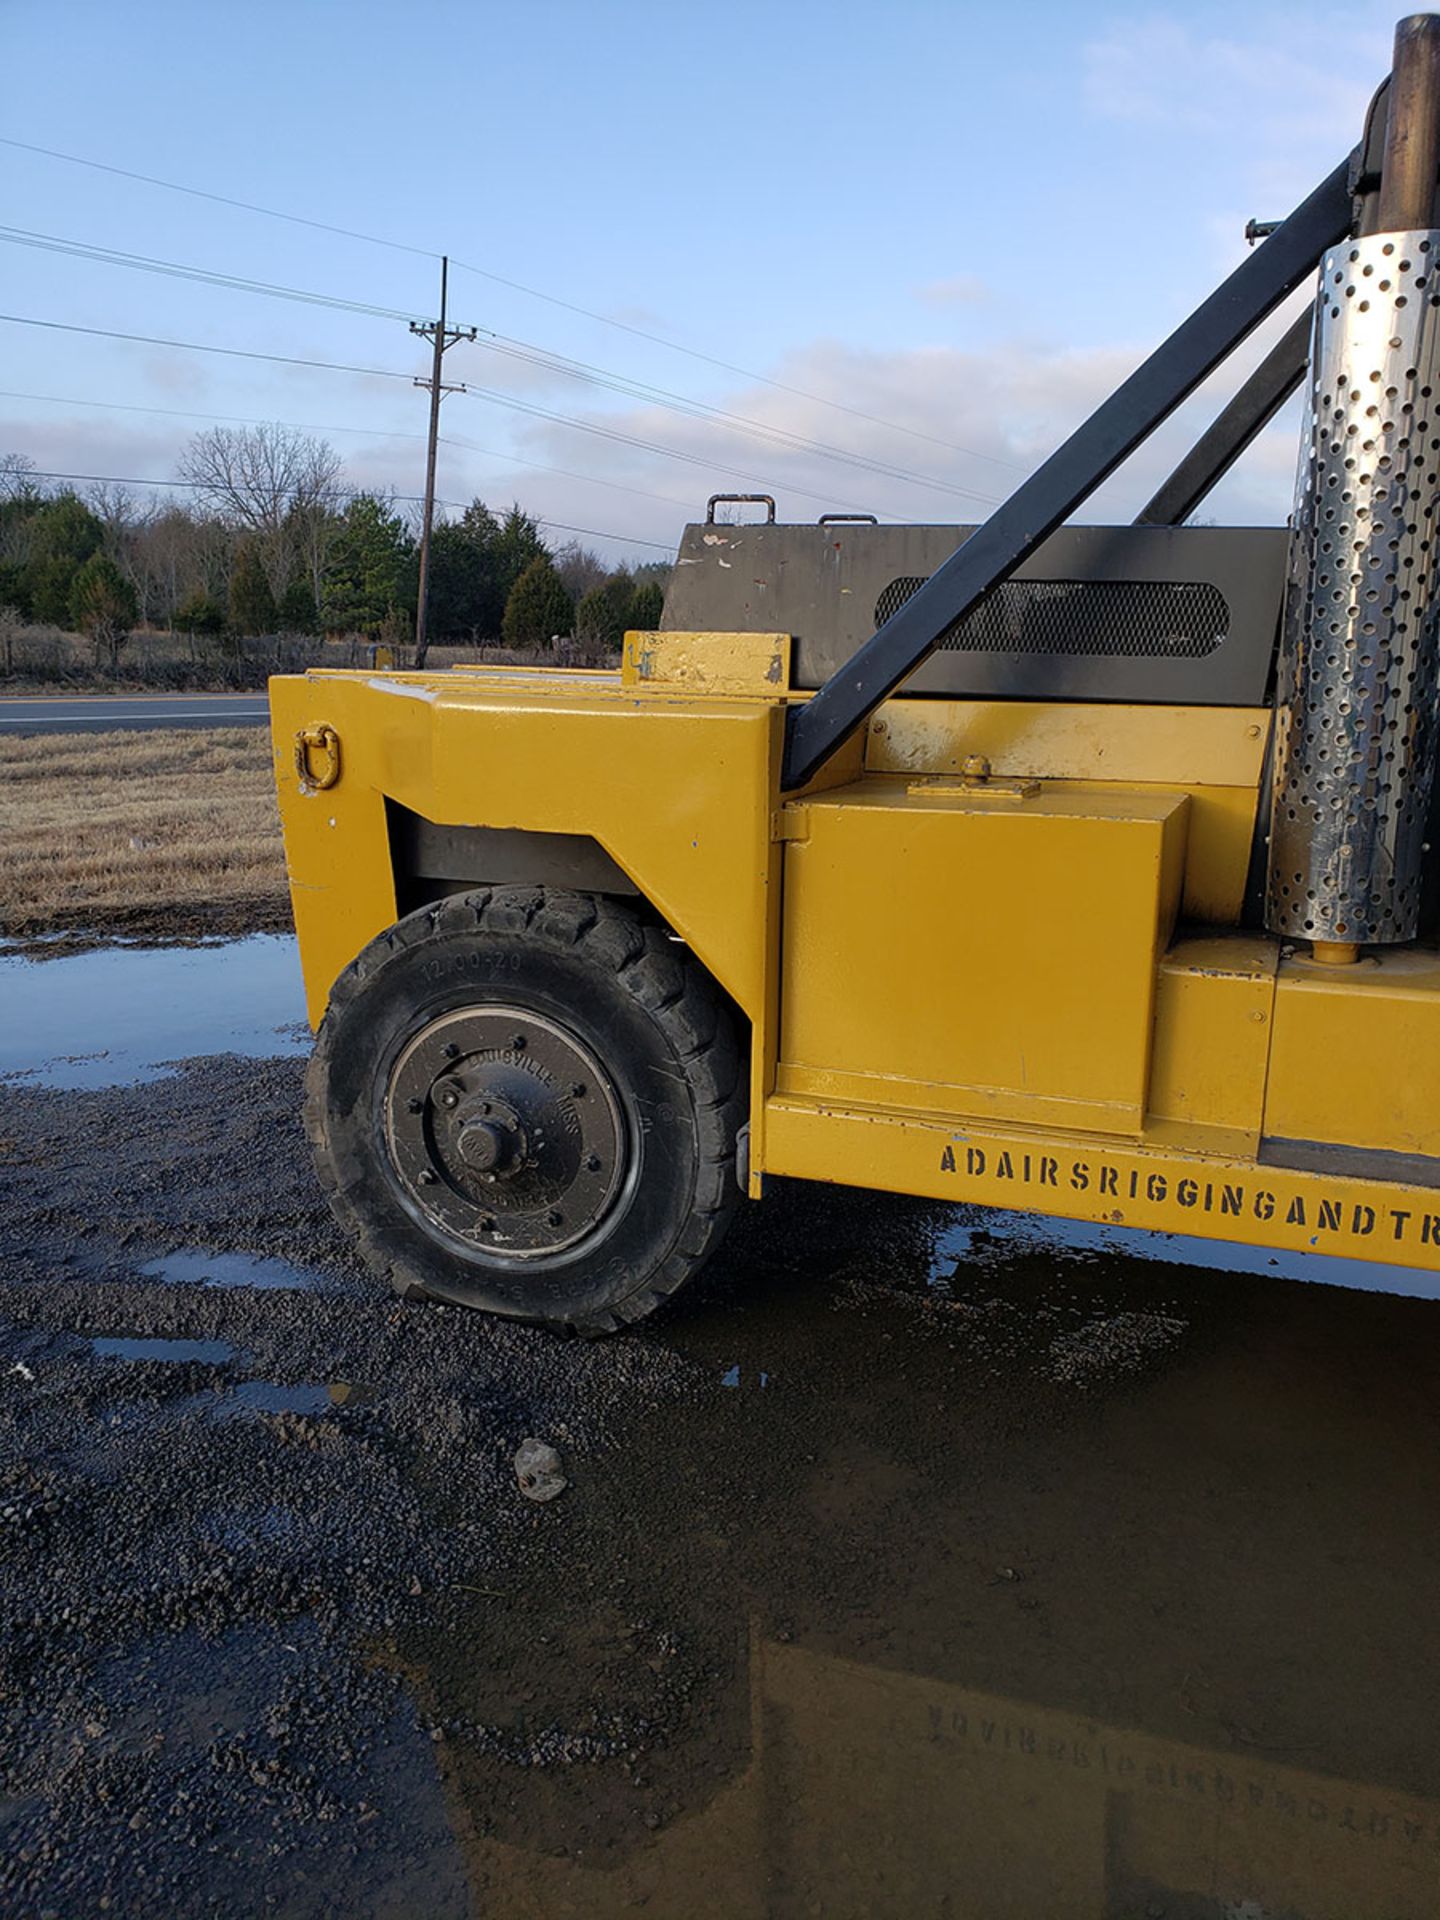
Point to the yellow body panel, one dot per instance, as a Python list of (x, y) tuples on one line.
[(1213, 1007), (922, 967), (1113, 1182), (677, 791), (1356, 1054), (708, 662), (1214, 754), (976, 995)]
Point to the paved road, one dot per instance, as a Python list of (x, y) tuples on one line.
[(97, 714)]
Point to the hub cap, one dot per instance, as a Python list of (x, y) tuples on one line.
[(505, 1132)]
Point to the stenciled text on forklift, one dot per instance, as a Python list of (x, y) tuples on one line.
[(1238, 1199)]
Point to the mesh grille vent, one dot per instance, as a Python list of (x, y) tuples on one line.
[(1159, 619)]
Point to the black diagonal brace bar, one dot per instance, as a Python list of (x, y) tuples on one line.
[(1013, 532), (1233, 428)]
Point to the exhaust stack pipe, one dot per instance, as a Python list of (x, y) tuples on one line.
[(1358, 700)]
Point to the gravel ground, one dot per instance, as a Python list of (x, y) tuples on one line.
[(279, 1634)]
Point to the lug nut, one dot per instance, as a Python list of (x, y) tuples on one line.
[(448, 1097), (450, 1050), (555, 1217), (415, 1106), (577, 1090), (592, 1163), (518, 1041)]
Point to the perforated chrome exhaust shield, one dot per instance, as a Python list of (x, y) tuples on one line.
[(1358, 700)]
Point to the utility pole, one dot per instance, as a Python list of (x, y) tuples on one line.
[(442, 337)]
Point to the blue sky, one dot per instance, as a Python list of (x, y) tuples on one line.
[(965, 223)]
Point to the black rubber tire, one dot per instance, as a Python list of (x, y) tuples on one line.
[(650, 1015)]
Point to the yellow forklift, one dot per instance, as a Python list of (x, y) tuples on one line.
[(1083, 870)]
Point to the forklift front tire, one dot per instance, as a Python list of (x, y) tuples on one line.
[(526, 1101)]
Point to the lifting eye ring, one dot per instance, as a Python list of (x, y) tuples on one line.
[(320, 740)]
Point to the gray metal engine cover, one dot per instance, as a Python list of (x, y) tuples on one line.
[(1187, 615)]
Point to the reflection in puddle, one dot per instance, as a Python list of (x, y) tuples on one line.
[(737, 1376), (232, 1270), (213, 1352), (1045, 1812), (996, 1234), (350, 1393), (244, 1397), (271, 1396), (874, 1791), (934, 1632), (121, 1013)]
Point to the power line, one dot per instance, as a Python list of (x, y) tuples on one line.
[(702, 410), (319, 426), (220, 199), (522, 350), (411, 499), (198, 346), (390, 373), (566, 473), (186, 413), (533, 293), (649, 446), (205, 276), (729, 366)]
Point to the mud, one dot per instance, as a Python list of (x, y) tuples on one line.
[(150, 926), (914, 1563)]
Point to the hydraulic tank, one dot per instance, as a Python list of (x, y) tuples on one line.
[(1357, 700)]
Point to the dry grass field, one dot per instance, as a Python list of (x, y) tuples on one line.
[(166, 835)]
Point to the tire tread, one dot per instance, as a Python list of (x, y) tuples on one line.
[(681, 1000)]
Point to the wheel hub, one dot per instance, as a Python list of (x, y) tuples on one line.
[(504, 1130)]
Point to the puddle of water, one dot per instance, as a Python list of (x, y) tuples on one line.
[(735, 1377), (115, 1017), (231, 1270), (1010, 1233), (216, 1352), (1083, 1665), (244, 1396), (350, 1393), (271, 1396)]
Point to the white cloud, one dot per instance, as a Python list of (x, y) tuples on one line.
[(978, 420)]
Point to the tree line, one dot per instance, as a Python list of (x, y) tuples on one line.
[(271, 540)]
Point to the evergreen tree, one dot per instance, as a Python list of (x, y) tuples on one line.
[(538, 607), (62, 535), (13, 591), (598, 620), (102, 605), (47, 585), (465, 597), (647, 606), (252, 605), (366, 579), (516, 546), (620, 591), (475, 563), (198, 613), (297, 609)]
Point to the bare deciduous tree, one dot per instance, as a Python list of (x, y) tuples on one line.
[(17, 475), (179, 556), (580, 569), (278, 484)]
